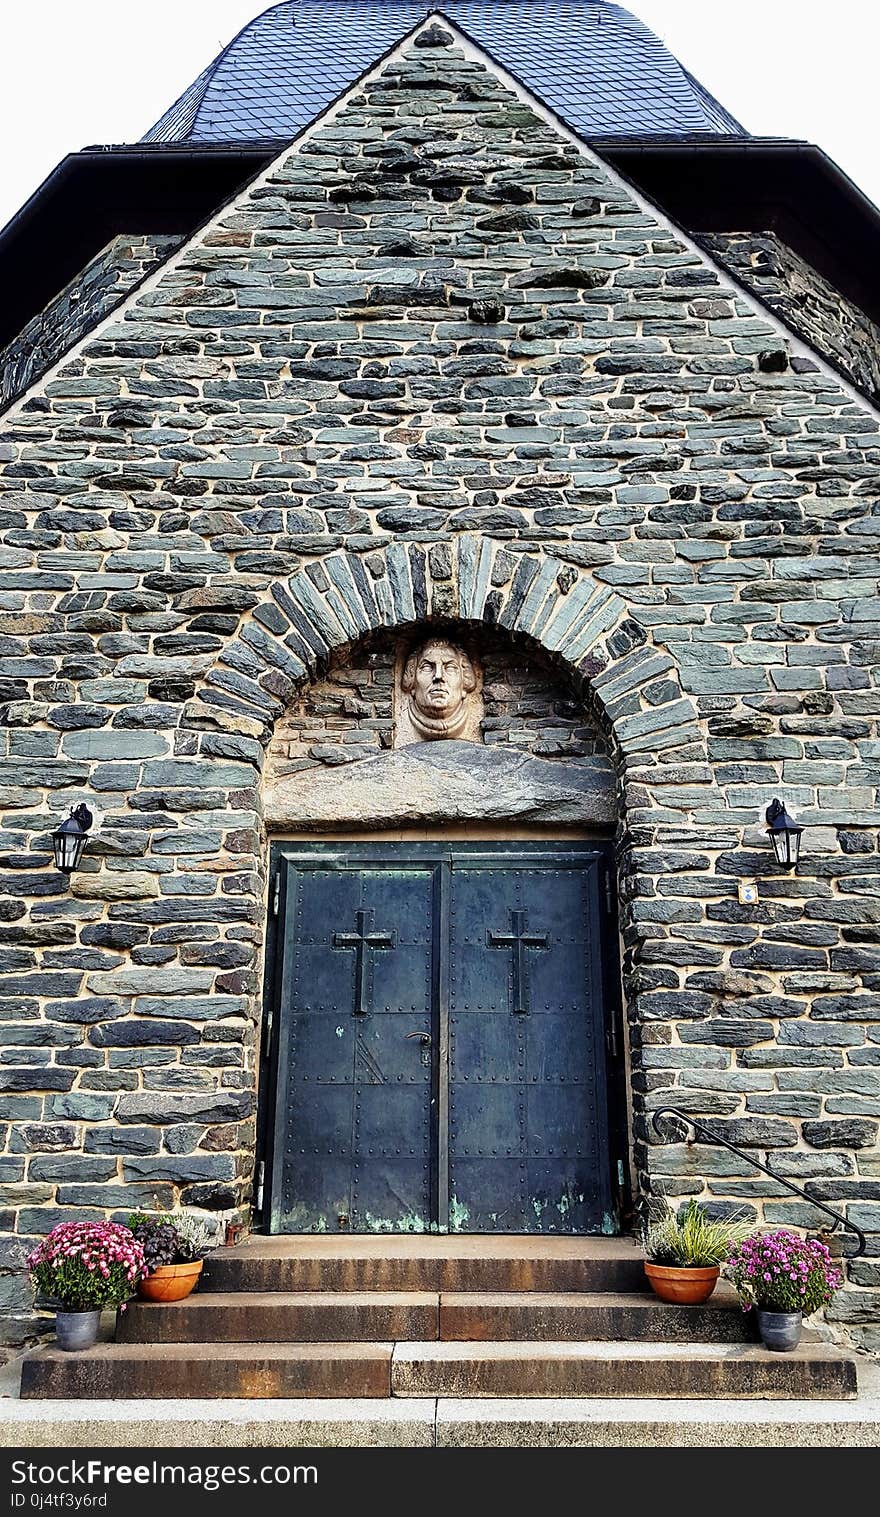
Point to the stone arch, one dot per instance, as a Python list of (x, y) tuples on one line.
[(632, 684)]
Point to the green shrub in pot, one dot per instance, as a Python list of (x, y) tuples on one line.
[(685, 1250)]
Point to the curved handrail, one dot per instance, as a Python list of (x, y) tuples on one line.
[(700, 1127)]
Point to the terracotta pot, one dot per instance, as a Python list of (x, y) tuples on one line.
[(687, 1286), (170, 1282)]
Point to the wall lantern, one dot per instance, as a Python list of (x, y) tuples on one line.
[(784, 834), (69, 840)]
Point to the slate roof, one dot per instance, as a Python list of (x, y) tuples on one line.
[(594, 63)]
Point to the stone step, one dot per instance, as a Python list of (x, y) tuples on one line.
[(209, 1371), (283, 1317), (538, 1316), (283, 1371), (425, 1262), (360, 1317), (659, 1371)]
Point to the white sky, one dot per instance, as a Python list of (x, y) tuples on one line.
[(80, 72)]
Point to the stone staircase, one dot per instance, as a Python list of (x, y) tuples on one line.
[(425, 1316)]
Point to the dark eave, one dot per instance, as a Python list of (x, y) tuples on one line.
[(99, 193), (763, 185), (706, 184)]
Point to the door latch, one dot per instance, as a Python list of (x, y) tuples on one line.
[(425, 1040)]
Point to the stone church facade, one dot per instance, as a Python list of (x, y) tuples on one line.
[(439, 375)]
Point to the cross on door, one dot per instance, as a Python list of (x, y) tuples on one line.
[(361, 941), (519, 940)]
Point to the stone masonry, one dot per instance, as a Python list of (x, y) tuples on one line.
[(811, 306), (92, 294), (437, 362)]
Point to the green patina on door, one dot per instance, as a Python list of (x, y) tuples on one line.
[(439, 1040)]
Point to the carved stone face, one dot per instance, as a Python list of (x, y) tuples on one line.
[(438, 678), (438, 688)]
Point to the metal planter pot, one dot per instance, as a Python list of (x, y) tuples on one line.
[(76, 1330), (780, 1331)]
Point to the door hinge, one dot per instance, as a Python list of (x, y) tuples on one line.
[(261, 1180), (611, 1040), (609, 898), (276, 893)]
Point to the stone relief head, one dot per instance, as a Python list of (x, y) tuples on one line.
[(438, 679)]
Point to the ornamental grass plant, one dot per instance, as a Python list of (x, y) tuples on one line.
[(783, 1272), (690, 1238), (85, 1266)]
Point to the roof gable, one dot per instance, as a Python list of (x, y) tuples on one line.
[(477, 172)]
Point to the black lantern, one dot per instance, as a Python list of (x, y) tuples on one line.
[(784, 834), (70, 839)]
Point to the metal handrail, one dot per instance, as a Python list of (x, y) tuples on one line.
[(700, 1128)]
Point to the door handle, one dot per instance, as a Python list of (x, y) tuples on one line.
[(425, 1040)]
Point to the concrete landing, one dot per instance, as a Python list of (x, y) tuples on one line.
[(442, 1424)]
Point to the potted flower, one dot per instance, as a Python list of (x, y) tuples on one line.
[(173, 1247), (785, 1278), (685, 1251), (81, 1267)]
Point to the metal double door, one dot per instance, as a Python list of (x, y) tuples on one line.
[(439, 1040)]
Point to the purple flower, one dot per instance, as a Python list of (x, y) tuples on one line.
[(779, 1270)]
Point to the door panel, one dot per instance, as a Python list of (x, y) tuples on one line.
[(486, 1048), (354, 1135), (441, 1042), (526, 1076)]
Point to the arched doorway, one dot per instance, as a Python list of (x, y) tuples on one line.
[(615, 669), (441, 969)]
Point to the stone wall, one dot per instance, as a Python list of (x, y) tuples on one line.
[(808, 303), (437, 362), (92, 294)]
